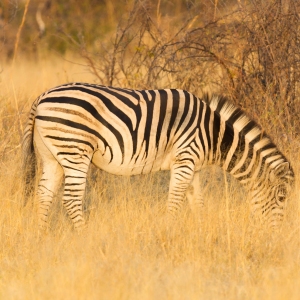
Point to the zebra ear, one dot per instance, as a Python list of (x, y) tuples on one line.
[(279, 171)]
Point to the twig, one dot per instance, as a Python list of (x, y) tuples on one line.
[(19, 31)]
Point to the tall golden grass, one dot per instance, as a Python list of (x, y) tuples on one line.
[(127, 250)]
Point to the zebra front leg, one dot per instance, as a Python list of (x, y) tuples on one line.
[(194, 194), (182, 173)]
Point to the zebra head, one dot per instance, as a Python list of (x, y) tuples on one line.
[(271, 194), (282, 177)]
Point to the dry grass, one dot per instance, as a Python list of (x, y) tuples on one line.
[(127, 250)]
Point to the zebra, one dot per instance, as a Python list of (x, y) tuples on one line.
[(130, 132)]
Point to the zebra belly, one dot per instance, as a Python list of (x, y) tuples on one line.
[(132, 168)]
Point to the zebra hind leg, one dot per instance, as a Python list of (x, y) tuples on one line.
[(73, 163), (74, 190), (52, 174)]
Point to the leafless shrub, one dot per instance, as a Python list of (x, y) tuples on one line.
[(248, 50), (267, 64), (251, 54), (146, 56)]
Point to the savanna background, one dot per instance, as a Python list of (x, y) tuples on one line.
[(246, 49)]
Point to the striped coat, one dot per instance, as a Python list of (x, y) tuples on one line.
[(131, 132)]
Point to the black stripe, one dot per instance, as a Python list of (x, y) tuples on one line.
[(196, 152), (202, 107), (75, 163), (122, 98), (64, 166), (248, 159), (70, 140), (216, 132), (221, 102), (235, 115), (134, 133), (187, 137), (175, 107), (184, 159), (130, 92), (186, 100), (206, 127), (149, 118), (71, 153), (226, 142), (70, 147), (162, 114), (71, 195), (238, 153)]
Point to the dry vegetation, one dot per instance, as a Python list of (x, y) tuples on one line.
[(128, 251)]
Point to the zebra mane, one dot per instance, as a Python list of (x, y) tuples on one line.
[(235, 117)]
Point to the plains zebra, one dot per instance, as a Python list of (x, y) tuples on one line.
[(129, 132)]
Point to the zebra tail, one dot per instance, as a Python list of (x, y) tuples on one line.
[(28, 155)]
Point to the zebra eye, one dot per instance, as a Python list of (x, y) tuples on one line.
[(281, 193)]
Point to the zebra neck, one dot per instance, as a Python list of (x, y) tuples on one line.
[(240, 147), (249, 160)]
